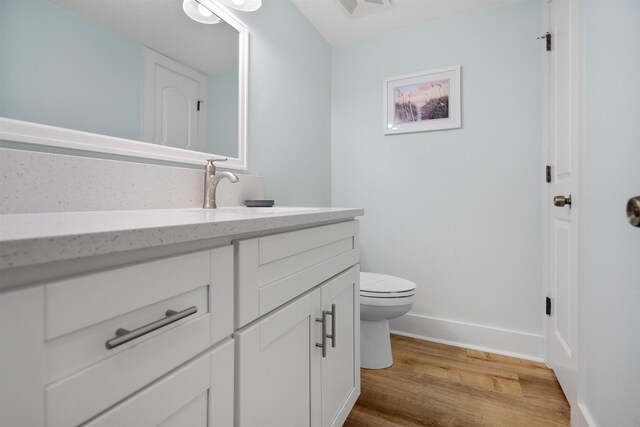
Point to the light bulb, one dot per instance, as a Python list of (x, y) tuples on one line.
[(243, 5), (199, 12), (204, 11)]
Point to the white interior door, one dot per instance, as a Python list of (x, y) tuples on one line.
[(562, 221), (174, 109)]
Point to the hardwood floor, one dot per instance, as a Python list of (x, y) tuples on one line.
[(438, 385)]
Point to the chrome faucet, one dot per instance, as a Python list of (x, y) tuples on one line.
[(211, 180)]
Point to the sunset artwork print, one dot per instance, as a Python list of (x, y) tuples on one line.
[(424, 101)]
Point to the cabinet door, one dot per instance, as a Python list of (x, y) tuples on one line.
[(341, 366), (199, 394), (22, 357), (278, 367)]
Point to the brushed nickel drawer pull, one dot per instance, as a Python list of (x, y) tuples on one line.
[(332, 313), (124, 335), (323, 345)]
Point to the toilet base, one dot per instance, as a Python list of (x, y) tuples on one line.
[(375, 344)]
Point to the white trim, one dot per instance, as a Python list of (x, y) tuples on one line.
[(507, 342), (157, 58), (243, 80), (52, 136), (582, 417)]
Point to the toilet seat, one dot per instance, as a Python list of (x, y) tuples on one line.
[(374, 285), (387, 302)]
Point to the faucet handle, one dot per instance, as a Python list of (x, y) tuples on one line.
[(211, 167), (221, 159)]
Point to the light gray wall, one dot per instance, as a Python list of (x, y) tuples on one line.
[(456, 211), (222, 113), (289, 105), (609, 384)]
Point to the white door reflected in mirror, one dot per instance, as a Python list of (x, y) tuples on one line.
[(175, 110)]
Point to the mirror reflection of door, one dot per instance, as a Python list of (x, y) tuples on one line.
[(174, 114)]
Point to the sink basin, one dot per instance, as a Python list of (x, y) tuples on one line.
[(254, 211), (273, 210)]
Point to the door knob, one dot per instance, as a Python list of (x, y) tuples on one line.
[(561, 201), (633, 211)]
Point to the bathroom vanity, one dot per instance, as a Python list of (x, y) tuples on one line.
[(245, 317)]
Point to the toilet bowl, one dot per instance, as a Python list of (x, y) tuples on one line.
[(382, 298)]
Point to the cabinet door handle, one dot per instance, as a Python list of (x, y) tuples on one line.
[(323, 345), (332, 313), (124, 336)]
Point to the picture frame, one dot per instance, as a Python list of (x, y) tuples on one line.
[(422, 101)]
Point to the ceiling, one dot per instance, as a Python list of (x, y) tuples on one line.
[(338, 27), (162, 26)]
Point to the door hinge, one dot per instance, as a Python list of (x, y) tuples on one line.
[(547, 38), (548, 173), (548, 307), (198, 106)]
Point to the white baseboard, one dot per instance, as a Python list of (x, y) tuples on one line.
[(477, 337), (582, 417)]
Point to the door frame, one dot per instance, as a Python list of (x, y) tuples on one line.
[(577, 10)]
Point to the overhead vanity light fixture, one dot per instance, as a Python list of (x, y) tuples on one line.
[(243, 5), (199, 12)]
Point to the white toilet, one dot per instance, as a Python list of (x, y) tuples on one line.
[(382, 298)]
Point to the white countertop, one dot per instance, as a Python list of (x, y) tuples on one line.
[(29, 239)]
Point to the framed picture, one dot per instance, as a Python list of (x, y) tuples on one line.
[(424, 101)]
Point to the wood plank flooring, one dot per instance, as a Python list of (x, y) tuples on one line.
[(439, 385)]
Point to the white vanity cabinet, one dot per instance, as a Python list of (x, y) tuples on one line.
[(248, 327), (73, 348), (299, 364)]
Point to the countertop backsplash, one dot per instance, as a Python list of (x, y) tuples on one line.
[(35, 182)]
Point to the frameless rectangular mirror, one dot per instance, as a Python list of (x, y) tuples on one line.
[(124, 72)]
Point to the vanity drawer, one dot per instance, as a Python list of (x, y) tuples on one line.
[(197, 394), (274, 269), (84, 376)]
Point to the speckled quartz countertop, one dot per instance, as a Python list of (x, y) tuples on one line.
[(30, 239)]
